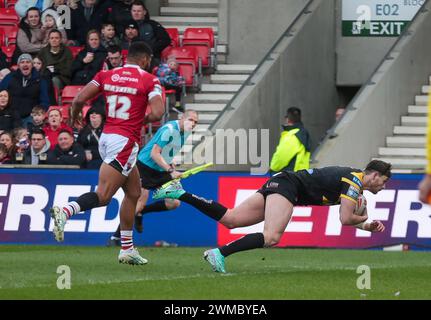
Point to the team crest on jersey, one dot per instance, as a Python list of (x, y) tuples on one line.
[(353, 192), (273, 185)]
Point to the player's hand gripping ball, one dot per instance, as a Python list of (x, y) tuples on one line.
[(361, 205)]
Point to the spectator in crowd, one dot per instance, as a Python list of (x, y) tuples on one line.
[(9, 116), (7, 139), (120, 14), (339, 112), (56, 4), (89, 61), (88, 15), (21, 6), (39, 148), (30, 36), (4, 65), (58, 59), (22, 143), (150, 31), (4, 156), (54, 126), (171, 79), (293, 150), (76, 125), (131, 33), (108, 36), (38, 115), (89, 138), (40, 66), (67, 151), (26, 88), (49, 23), (114, 59)]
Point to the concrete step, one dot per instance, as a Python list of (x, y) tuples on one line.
[(207, 117), (194, 3), (212, 97), (168, 21), (406, 141), (405, 163), (220, 87), (228, 78), (414, 121), (404, 152), (235, 68), (426, 89), (189, 12), (421, 100), (410, 130), (418, 109), (206, 107), (201, 128)]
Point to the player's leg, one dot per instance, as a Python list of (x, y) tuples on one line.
[(250, 212), (110, 180), (132, 192)]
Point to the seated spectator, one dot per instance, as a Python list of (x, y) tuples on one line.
[(67, 151), (58, 59), (89, 138), (38, 151), (108, 36), (38, 115), (114, 59), (150, 31), (9, 116), (54, 126), (120, 14), (40, 66), (30, 36), (131, 33), (7, 139), (4, 65), (22, 143), (26, 88), (89, 15), (21, 6), (171, 79), (49, 23), (4, 156), (77, 125), (89, 60)]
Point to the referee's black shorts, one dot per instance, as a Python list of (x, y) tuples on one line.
[(151, 178), (285, 184)]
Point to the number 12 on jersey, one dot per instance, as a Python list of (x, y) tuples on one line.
[(118, 107)]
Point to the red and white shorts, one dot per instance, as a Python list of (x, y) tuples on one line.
[(118, 151)]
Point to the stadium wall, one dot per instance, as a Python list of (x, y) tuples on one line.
[(370, 117), (27, 194), (295, 72), (255, 25)]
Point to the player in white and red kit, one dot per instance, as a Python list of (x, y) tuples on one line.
[(127, 90)]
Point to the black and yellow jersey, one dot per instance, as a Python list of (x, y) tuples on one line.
[(323, 186), (328, 185)]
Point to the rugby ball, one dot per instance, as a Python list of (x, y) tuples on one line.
[(361, 205)]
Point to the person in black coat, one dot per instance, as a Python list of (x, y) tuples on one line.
[(89, 138), (89, 61), (9, 116), (67, 152)]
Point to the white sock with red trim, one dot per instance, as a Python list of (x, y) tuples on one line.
[(71, 209), (126, 239)]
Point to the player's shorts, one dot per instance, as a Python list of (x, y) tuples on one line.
[(118, 151), (282, 183), (151, 178)]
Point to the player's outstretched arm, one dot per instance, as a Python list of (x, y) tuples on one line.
[(87, 93), (347, 216)]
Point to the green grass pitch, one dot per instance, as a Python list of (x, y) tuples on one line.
[(30, 272)]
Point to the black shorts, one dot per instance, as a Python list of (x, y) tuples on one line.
[(151, 178), (285, 184)]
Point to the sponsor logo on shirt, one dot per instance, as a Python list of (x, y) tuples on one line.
[(117, 77), (353, 192)]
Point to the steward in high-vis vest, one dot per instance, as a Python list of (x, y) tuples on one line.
[(293, 150)]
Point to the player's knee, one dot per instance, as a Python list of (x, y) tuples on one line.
[(103, 199), (271, 239), (172, 204), (229, 221)]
